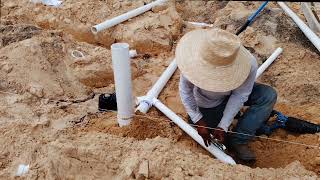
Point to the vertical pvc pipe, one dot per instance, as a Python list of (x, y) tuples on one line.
[(123, 83), (119, 19), (154, 92), (304, 28), (192, 132), (269, 61)]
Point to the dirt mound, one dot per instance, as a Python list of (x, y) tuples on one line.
[(199, 11), (288, 69), (15, 33), (56, 70), (62, 154), (158, 30), (142, 127)]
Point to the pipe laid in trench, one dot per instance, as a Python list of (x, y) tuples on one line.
[(310, 16), (123, 83), (200, 24), (119, 19), (192, 132), (251, 18), (304, 28), (268, 62), (146, 102)]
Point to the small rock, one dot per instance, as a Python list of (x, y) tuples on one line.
[(11, 5), (272, 27), (165, 21), (143, 170), (36, 90), (159, 8), (12, 99), (317, 160), (239, 15), (37, 9), (179, 169), (7, 68), (127, 3), (128, 171), (45, 101), (61, 18), (276, 11), (67, 20), (302, 54), (116, 5)]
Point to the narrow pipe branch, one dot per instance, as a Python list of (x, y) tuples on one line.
[(304, 28), (119, 19), (154, 92), (200, 24), (268, 62), (192, 132), (123, 82)]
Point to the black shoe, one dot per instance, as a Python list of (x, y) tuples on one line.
[(107, 102), (243, 152), (296, 125)]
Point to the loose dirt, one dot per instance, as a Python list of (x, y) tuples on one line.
[(48, 97)]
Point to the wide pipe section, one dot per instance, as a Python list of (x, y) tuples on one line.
[(123, 84), (268, 62), (192, 132), (304, 28), (119, 19), (146, 102)]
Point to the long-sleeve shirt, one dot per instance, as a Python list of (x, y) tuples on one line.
[(194, 97)]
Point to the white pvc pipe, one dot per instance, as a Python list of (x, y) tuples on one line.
[(269, 61), (146, 101), (123, 83), (119, 19), (304, 28), (310, 17), (192, 132), (200, 24)]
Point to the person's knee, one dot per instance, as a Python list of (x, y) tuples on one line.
[(266, 95), (270, 95)]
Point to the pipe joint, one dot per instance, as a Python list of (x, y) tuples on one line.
[(149, 103)]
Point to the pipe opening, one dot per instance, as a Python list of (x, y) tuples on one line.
[(77, 54), (120, 46), (94, 30)]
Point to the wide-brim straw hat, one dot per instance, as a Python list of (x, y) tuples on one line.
[(213, 59)]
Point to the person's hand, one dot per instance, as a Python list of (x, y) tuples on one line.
[(203, 132), (219, 134)]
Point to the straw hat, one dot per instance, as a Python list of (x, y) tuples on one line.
[(213, 60)]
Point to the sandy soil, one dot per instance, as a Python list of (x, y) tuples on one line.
[(48, 98)]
